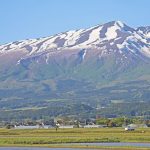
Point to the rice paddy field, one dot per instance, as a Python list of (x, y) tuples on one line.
[(62, 137)]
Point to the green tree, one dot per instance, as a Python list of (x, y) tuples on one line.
[(102, 121)]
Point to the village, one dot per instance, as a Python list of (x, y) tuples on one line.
[(69, 122)]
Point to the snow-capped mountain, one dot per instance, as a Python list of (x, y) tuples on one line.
[(113, 36), (88, 66), (114, 41)]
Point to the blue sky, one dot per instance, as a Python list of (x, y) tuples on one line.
[(23, 19)]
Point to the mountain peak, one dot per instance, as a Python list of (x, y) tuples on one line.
[(113, 23), (120, 23)]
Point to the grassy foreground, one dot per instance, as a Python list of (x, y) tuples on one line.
[(51, 138)]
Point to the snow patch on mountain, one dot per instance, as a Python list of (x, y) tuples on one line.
[(73, 38), (111, 32), (146, 51), (84, 53), (93, 37), (148, 35)]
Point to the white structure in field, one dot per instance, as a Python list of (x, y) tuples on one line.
[(92, 126), (66, 127)]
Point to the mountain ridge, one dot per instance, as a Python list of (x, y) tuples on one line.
[(80, 38), (113, 36)]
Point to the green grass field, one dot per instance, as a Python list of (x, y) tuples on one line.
[(53, 138)]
